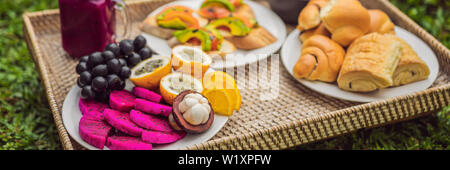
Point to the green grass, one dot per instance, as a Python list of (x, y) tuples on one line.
[(25, 118), (26, 122), (430, 132)]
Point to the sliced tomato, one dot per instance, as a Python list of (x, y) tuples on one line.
[(235, 3), (214, 12), (215, 44), (194, 41), (224, 28)]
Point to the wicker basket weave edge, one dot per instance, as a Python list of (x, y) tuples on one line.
[(301, 131), (30, 38)]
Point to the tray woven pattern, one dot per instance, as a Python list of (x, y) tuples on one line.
[(296, 115)]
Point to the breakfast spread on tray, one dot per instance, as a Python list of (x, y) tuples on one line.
[(178, 95), (163, 106), (218, 27), (346, 43)]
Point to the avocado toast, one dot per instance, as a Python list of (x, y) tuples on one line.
[(171, 19), (209, 40)]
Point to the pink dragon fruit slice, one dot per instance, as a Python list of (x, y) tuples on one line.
[(92, 109), (116, 132), (147, 94), (127, 143), (94, 132), (150, 122), (156, 137), (121, 121), (152, 108), (121, 100)]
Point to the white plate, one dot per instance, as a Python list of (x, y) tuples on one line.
[(265, 17), (71, 116), (290, 53)]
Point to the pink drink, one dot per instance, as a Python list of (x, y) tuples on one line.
[(86, 25)]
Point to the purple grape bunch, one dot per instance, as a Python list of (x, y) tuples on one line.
[(102, 72)]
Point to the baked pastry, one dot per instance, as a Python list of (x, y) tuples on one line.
[(171, 19), (209, 40), (320, 30), (411, 68), (370, 63), (380, 22), (309, 17), (321, 59), (347, 20)]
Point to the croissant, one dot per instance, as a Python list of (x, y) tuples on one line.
[(310, 15), (321, 30), (321, 59), (410, 67), (380, 22), (347, 20), (370, 63)]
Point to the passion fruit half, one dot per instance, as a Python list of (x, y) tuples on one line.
[(195, 122)]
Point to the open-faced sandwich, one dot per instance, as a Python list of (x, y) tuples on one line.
[(209, 40), (171, 19)]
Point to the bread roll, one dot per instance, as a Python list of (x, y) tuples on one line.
[(411, 68), (257, 38), (347, 20), (310, 15), (321, 59), (320, 30), (380, 22), (370, 63)]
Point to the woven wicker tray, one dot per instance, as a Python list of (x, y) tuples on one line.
[(297, 116)]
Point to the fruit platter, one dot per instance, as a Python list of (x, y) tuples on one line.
[(128, 98)]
